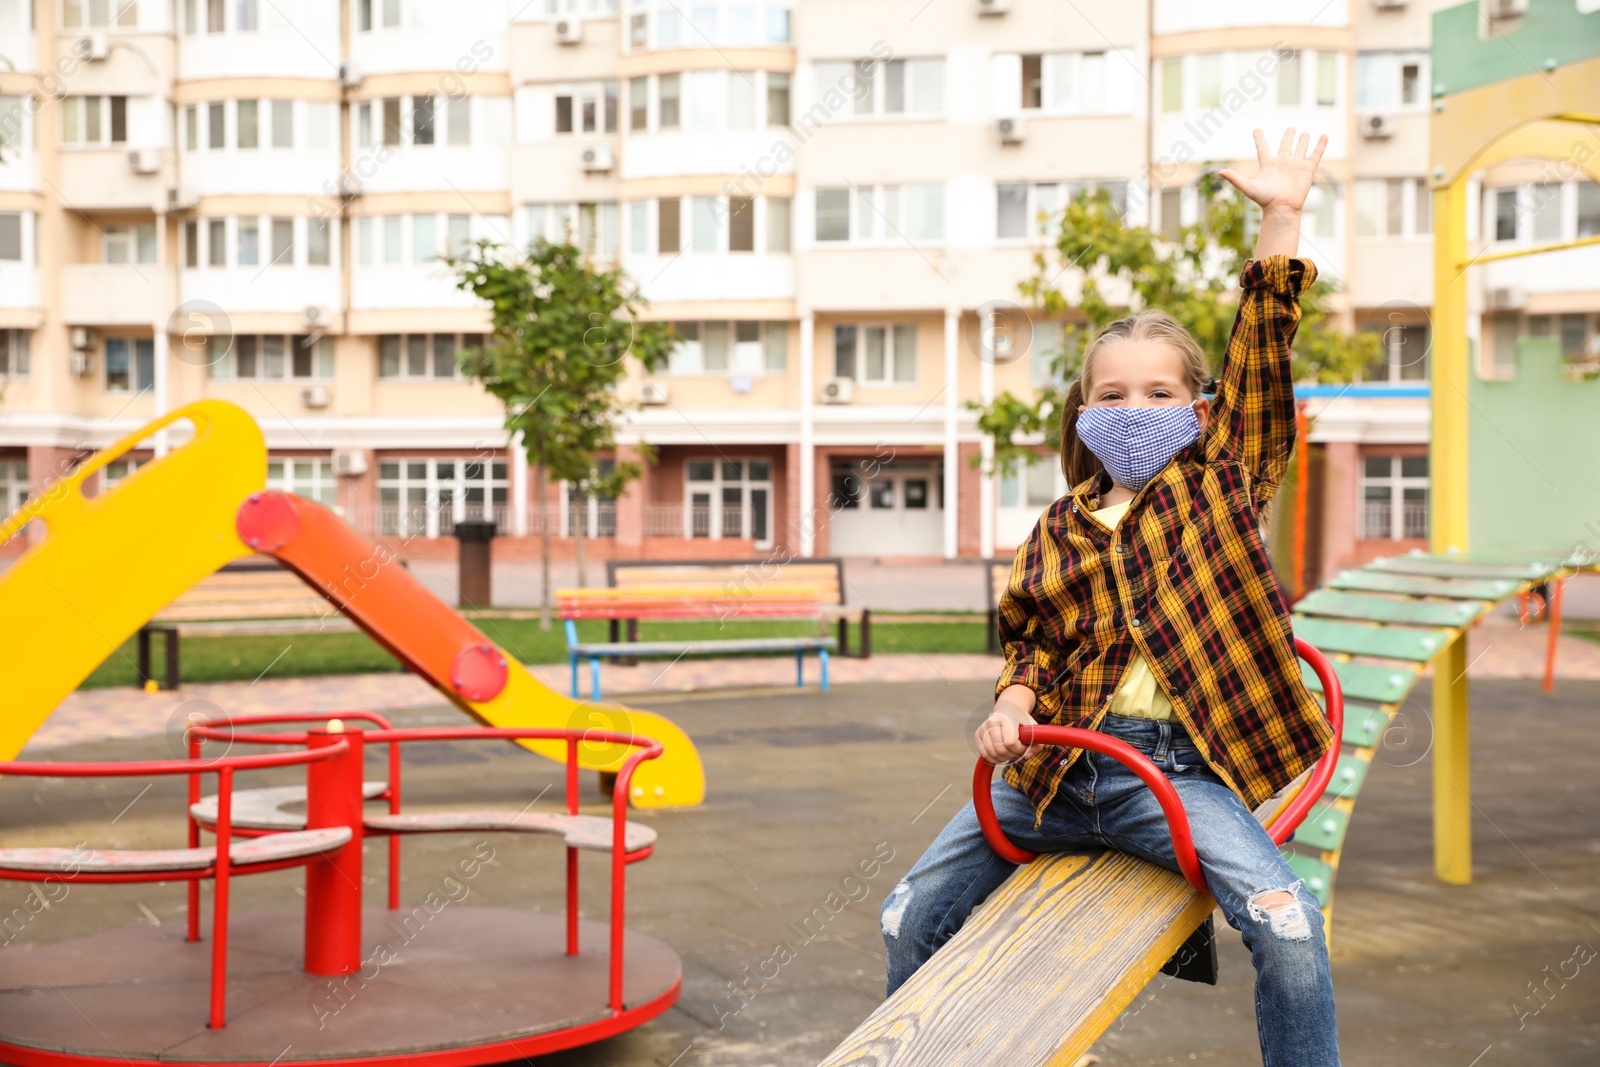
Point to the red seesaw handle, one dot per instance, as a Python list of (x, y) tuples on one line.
[(1171, 806)]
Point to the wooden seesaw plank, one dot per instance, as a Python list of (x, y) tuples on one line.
[(1039, 972)]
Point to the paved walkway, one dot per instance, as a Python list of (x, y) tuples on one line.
[(1497, 648)]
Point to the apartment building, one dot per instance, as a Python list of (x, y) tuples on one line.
[(833, 200)]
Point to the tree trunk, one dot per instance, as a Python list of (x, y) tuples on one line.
[(544, 554), (580, 526)]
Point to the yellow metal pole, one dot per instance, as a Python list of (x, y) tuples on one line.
[(1447, 524)]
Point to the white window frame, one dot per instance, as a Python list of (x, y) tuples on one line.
[(720, 481), (16, 354), (766, 356), (879, 216), (461, 341), (589, 92), (891, 333), (126, 245), (494, 482), (649, 25), (1384, 69), (321, 479), (1397, 483), (831, 75), (1413, 193), (223, 366)]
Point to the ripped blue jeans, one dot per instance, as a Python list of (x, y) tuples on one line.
[(1102, 804)]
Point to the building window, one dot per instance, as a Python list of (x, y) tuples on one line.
[(427, 497), (118, 470), (876, 355), (15, 348), (271, 357), (1404, 355), (130, 364), (1505, 214), (897, 87), (589, 107), (126, 245), (1172, 85), (1290, 74), (1327, 78), (734, 348), (669, 90), (726, 497), (1035, 486), (1034, 209), (247, 124), (94, 120), (11, 236), (599, 511), (669, 225), (779, 224), (1394, 497), (1391, 207), (666, 24), (1390, 81), (95, 14), (13, 484), (638, 104), (880, 214), (312, 479), (283, 124), (777, 99), (420, 355)]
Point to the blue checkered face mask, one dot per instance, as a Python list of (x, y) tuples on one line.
[(1135, 443)]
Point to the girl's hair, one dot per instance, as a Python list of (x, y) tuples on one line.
[(1077, 462)]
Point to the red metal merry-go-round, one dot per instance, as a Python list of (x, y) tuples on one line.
[(338, 984)]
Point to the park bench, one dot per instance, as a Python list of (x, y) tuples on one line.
[(735, 579), (691, 602), (250, 596), (999, 574)]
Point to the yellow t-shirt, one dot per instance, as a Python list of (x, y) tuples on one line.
[(1139, 694)]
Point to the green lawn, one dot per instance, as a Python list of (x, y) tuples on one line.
[(218, 659)]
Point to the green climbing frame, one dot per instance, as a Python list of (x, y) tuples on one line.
[(1379, 625)]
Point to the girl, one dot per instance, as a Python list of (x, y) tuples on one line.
[(1144, 605)]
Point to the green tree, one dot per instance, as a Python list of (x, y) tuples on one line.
[(562, 331), (1193, 278)]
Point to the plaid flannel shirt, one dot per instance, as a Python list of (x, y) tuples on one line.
[(1185, 580)]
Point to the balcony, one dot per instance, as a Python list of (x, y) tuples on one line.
[(122, 178), (1377, 521), (100, 294)]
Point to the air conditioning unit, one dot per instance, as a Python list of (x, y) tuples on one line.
[(1011, 129), (82, 339), (1505, 9), (350, 462), (350, 75), (1389, 5), (1377, 127), (992, 7), (144, 161), (598, 159), (569, 30), (315, 396), (837, 390), (652, 393), (316, 318), (82, 364), (95, 47), (1507, 298), (180, 199)]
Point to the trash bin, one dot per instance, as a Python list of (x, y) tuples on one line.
[(476, 537)]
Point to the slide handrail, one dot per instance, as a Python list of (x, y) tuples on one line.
[(1280, 829)]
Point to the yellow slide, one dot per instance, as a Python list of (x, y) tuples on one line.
[(107, 563)]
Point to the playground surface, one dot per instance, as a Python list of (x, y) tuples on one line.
[(817, 804)]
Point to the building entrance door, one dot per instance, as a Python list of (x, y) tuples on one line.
[(879, 509)]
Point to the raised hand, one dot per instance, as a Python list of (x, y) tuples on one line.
[(1285, 176)]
